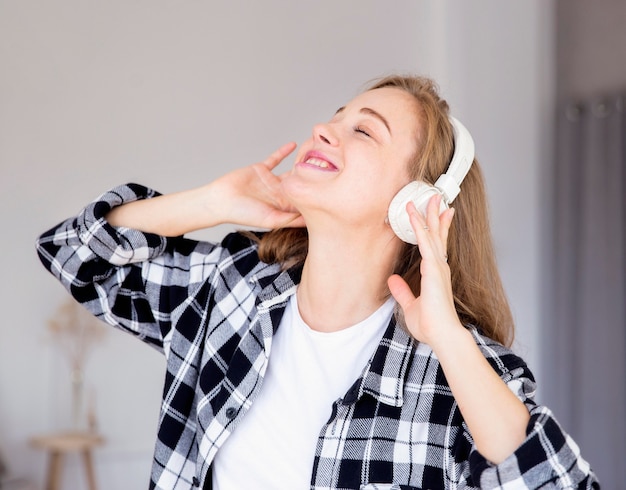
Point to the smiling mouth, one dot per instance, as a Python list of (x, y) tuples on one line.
[(316, 160)]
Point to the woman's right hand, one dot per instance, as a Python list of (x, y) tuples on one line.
[(249, 196), (252, 195)]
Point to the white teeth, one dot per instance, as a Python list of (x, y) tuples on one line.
[(317, 162)]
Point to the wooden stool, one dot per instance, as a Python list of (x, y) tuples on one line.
[(64, 442)]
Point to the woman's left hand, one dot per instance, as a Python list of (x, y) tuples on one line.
[(432, 315), (496, 418)]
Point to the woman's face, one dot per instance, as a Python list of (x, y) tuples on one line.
[(353, 165)]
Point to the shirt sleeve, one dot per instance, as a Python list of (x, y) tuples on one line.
[(548, 457), (127, 278)]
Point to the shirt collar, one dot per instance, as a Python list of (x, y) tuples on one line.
[(384, 375)]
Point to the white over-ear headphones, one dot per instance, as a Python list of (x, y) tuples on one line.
[(448, 185)]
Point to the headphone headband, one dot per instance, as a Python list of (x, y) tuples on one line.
[(449, 184)]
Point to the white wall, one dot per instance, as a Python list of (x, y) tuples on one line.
[(172, 94)]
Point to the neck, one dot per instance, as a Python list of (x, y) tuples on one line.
[(344, 279)]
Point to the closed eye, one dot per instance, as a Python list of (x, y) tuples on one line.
[(359, 129)]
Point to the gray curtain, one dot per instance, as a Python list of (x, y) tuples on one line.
[(585, 356)]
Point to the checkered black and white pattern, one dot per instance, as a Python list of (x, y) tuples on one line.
[(213, 309)]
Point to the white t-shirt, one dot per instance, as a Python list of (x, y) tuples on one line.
[(274, 445)]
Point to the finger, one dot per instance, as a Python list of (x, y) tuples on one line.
[(438, 224), (432, 213), (445, 223), (401, 291), (417, 219), (275, 158), (421, 230)]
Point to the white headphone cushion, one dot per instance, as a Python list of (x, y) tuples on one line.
[(418, 192)]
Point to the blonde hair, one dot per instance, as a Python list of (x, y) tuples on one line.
[(479, 296)]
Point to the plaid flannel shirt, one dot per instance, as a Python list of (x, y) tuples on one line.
[(212, 309)]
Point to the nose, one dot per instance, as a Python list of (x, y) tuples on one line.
[(324, 132)]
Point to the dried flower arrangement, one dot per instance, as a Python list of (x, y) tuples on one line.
[(76, 332)]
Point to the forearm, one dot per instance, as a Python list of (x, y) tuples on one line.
[(170, 215), (496, 418)]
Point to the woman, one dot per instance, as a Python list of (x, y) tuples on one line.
[(326, 353)]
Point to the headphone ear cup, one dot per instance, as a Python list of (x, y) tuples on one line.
[(416, 191)]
